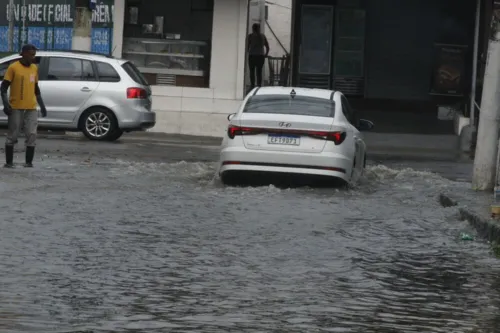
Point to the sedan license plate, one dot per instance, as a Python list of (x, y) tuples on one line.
[(286, 140)]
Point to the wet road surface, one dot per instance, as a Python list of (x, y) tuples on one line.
[(142, 238)]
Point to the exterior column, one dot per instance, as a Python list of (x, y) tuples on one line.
[(82, 26), (227, 68), (242, 50), (118, 25)]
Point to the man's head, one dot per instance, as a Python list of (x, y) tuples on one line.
[(28, 53), (256, 27)]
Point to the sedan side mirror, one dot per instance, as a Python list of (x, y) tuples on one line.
[(230, 116), (365, 125)]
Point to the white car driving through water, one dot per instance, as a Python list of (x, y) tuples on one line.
[(294, 131)]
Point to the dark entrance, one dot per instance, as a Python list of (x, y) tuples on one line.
[(382, 54)]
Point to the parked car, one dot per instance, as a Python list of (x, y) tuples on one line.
[(294, 131), (98, 95)]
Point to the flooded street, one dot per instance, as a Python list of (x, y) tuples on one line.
[(109, 244)]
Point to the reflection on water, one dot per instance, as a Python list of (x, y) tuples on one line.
[(122, 247)]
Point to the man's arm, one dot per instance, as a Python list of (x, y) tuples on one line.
[(4, 87), (39, 100), (266, 45), (7, 79)]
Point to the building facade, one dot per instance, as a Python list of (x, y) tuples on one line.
[(412, 50), (192, 52)]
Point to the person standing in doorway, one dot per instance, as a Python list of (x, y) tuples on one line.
[(22, 79), (257, 42)]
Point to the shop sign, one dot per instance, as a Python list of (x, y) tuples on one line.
[(53, 12), (448, 77), (48, 24)]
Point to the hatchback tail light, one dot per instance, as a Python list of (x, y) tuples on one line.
[(137, 93), (336, 137)]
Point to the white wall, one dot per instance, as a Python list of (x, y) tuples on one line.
[(118, 23), (203, 111), (280, 20)]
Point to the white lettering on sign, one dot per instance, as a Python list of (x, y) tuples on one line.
[(103, 13), (58, 13), (42, 13), (50, 13)]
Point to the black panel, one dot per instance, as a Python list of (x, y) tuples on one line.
[(400, 39), (314, 81)]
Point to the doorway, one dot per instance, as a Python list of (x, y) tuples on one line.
[(329, 46)]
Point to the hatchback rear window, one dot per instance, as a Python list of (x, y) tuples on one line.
[(134, 73), (284, 104)]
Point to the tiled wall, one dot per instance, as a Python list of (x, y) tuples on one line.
[(194, 111)]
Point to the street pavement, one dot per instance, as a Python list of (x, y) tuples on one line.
[(140, 236)]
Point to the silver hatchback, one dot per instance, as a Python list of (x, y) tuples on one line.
[(99, 95)]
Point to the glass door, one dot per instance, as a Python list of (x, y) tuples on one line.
[(348, 62), (315, 54)]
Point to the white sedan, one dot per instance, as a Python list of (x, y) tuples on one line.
[(298, 131)]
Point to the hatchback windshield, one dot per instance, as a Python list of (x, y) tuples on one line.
[(134, 73), (284, 104)]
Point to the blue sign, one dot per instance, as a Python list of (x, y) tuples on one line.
[(62, 38), (4, 39), (55, 38), (37, 36), (102, 40)]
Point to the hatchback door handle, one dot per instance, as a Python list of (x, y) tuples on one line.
[(85, 89)]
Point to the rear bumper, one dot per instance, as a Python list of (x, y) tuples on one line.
[(142, 120), (323, 164)]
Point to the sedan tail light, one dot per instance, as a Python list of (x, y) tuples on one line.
[(336, 137), (137, 93)]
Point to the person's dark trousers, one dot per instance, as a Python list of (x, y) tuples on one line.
[(256, 65)]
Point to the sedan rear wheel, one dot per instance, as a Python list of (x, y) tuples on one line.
[(100, 124)]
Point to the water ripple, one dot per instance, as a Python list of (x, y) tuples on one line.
[(137, 247)]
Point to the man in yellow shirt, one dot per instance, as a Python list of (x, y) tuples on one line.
[(20, 108)]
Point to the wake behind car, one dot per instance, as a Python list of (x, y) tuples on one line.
[(99, 95), (294, 131)]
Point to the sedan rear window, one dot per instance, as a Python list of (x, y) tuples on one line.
[(284, 104)]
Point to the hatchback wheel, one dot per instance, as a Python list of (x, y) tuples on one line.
[(115, 135), (100, 124)]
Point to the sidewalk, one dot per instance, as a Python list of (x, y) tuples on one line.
[(422, 147), (474, 207)]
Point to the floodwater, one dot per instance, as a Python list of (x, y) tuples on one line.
[(134, 247)]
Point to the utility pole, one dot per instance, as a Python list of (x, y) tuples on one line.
[(12, 19), (82, 26), (484, 176)]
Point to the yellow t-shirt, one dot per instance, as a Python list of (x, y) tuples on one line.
[(22, 85)]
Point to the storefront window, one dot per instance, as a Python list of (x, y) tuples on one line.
[(169, 41)]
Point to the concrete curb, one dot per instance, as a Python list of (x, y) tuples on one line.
[(486, 227)]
